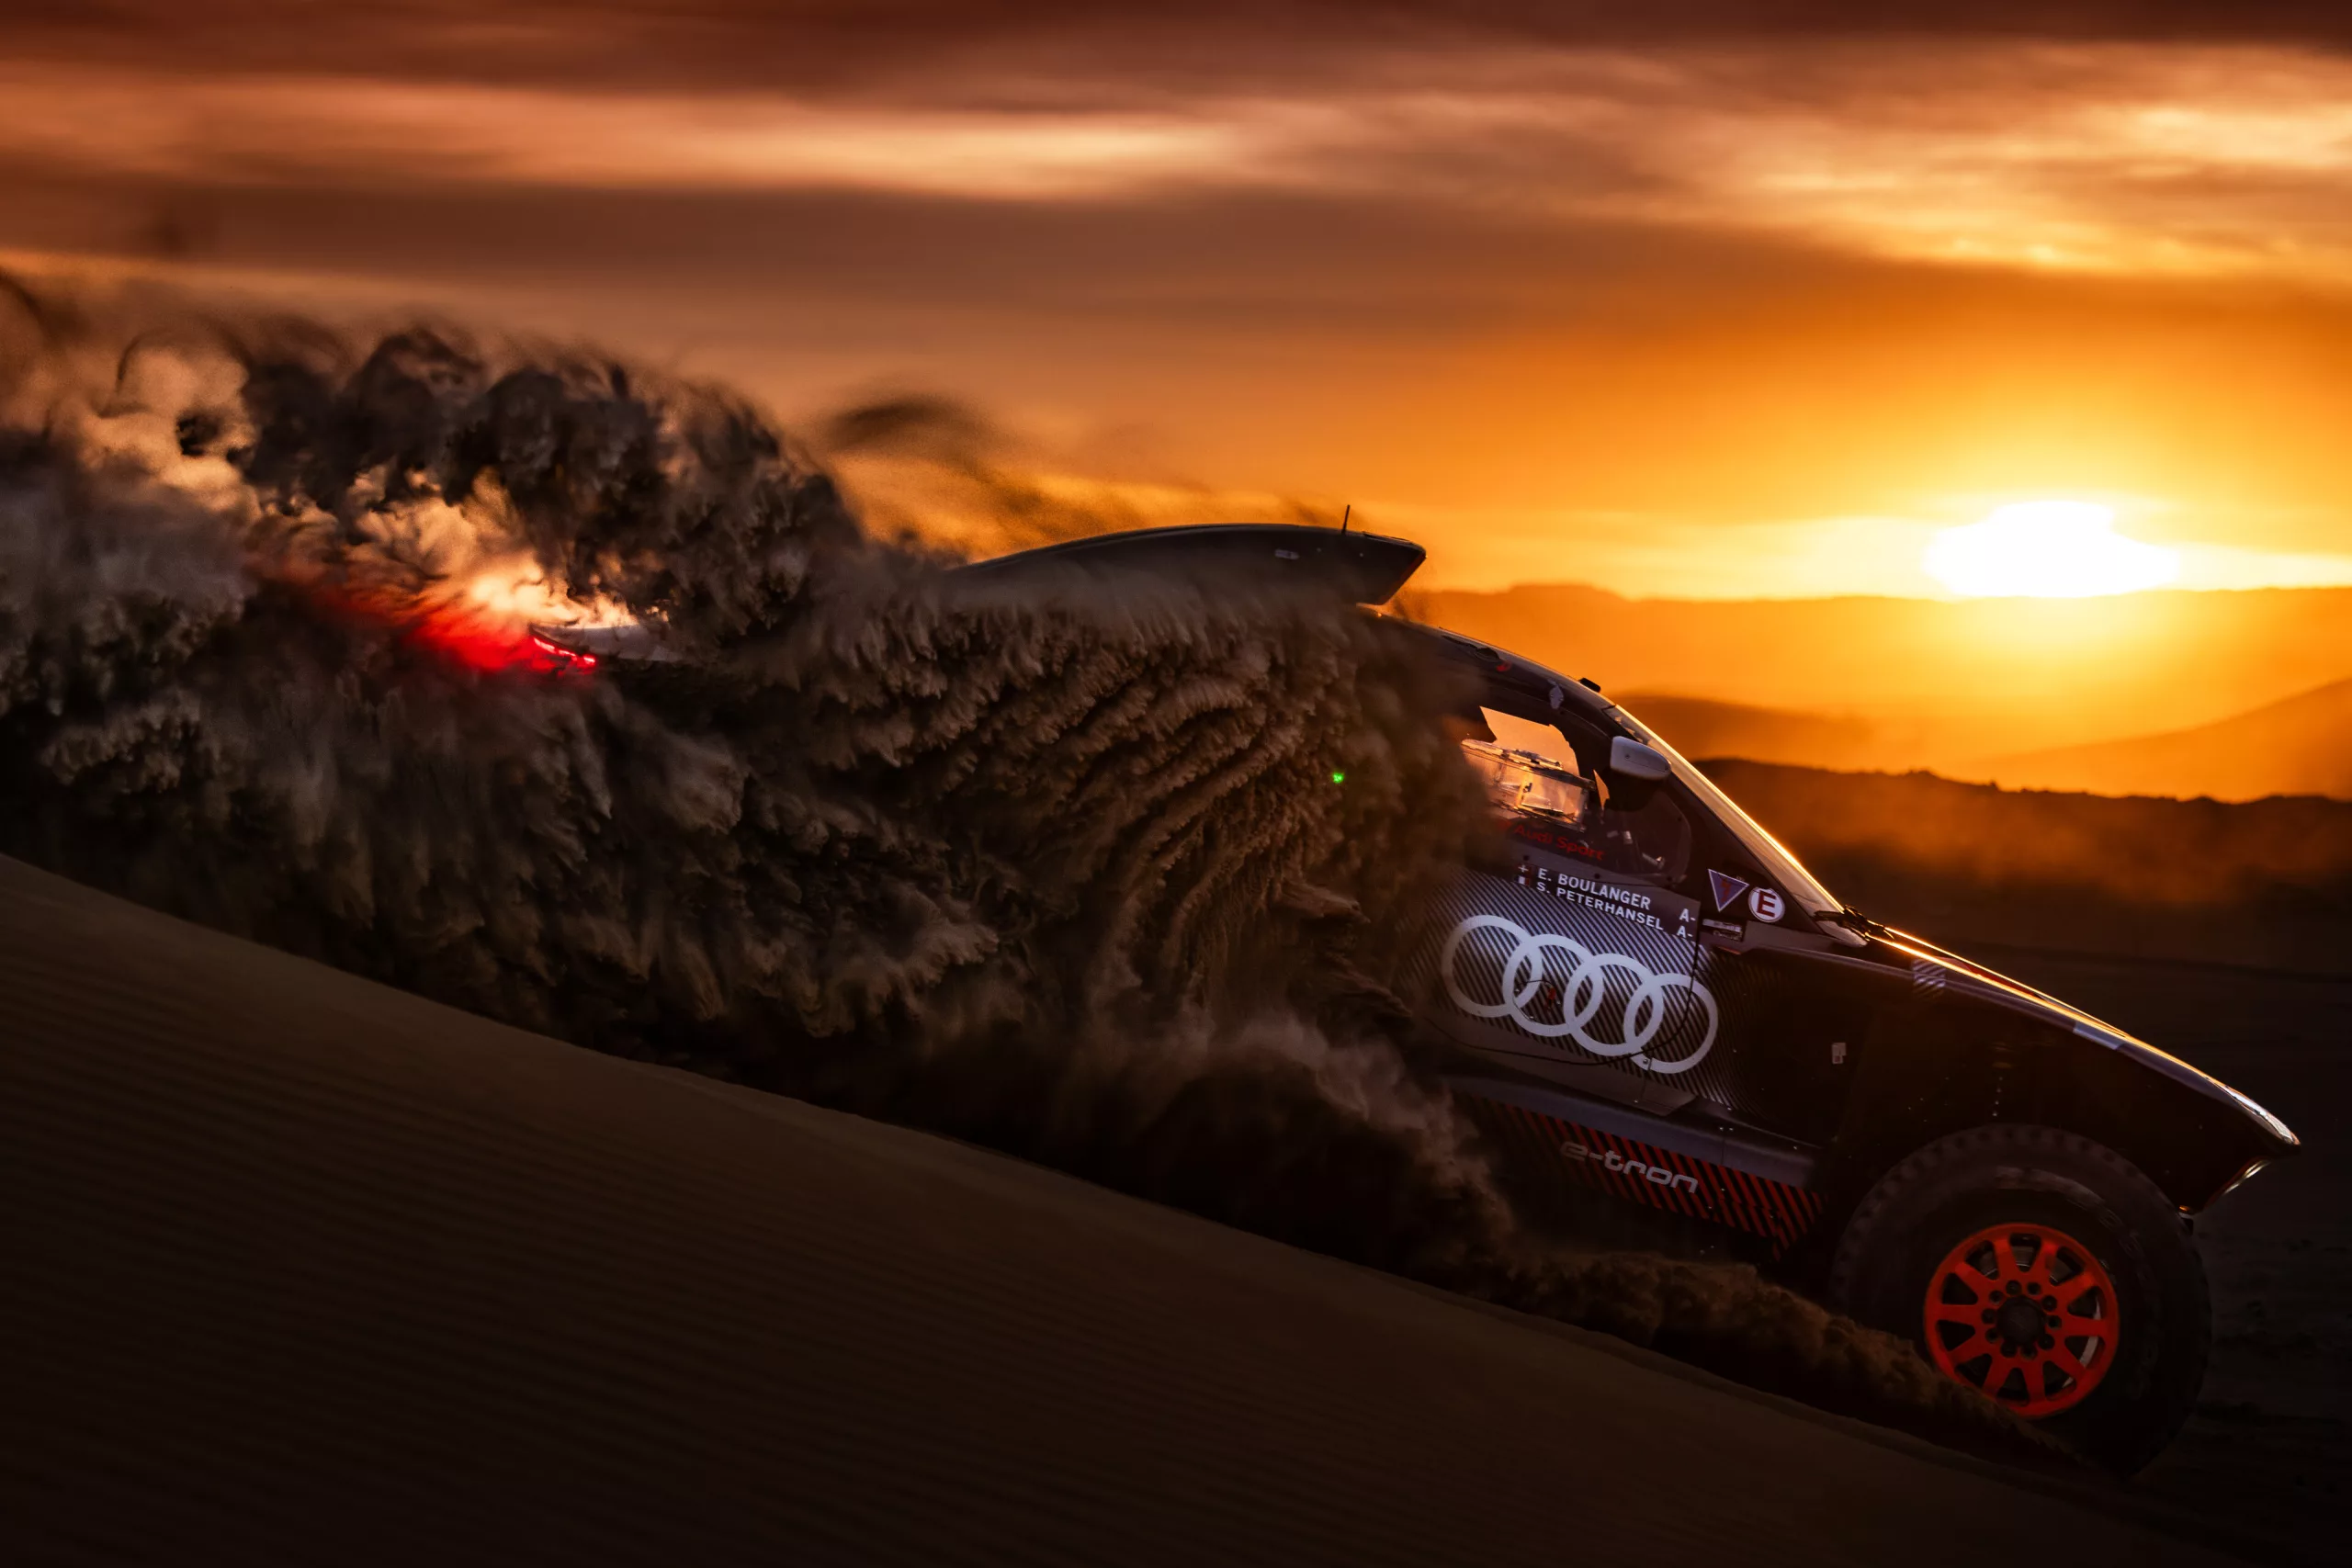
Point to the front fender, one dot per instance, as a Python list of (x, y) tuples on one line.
[(1973, 1047)]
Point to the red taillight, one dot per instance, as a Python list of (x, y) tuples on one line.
[(565, 658)]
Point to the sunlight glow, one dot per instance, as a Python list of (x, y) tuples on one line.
[(2046, 549)]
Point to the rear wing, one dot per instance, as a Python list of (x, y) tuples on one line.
[(1362, 568)]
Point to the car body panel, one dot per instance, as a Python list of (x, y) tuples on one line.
[(1764, 1189)]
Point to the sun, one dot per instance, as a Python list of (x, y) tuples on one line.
[(2046, 549)]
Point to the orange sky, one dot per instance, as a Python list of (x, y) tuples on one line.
[(1703, 307)]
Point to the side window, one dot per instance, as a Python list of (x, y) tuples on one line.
[(1652, 842), (1546, 802), (1532, 787)]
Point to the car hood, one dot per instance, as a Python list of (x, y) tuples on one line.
[(1935, 969)]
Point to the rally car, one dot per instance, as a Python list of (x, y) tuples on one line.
[(1648, 1002)]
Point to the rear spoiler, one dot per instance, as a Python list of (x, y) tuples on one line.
[(1366, 568)]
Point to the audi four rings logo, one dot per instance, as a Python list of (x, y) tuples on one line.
[(1582, 990)]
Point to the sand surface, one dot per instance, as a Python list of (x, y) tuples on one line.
[(302, 1268)]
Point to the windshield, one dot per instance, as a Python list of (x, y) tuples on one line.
[(1797, 882)]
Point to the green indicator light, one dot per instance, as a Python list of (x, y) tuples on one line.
[(1339, 777)]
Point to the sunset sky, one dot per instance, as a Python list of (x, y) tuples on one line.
[(1736, 300)]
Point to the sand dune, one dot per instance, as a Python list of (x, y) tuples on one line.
[(302, 1268), (2301, 746)]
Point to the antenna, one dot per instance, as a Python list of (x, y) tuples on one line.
[(1345, 515)]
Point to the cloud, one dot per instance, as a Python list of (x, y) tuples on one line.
[(284, 130), (833, 46), (1565, 290), (2095, 157)]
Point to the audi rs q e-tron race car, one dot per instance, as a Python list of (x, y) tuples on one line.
[(1653, 1010)]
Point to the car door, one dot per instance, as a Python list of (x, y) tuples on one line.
[(1651, 998), (1573, 956), (1797, 1007)]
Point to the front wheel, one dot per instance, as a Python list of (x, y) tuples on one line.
[(2046, 1272)]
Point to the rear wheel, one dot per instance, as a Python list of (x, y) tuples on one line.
[(2046, 1272)]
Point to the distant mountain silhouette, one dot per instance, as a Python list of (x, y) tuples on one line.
[(1943, 683), (1699, 726), (2301, 746)]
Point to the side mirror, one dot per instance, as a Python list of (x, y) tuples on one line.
[(1630, 758)]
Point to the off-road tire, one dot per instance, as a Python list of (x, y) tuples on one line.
[(1906, 1225)]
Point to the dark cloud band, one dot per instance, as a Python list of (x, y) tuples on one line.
[(813, 45)]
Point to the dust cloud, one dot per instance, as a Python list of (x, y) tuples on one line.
[(1063, 872)]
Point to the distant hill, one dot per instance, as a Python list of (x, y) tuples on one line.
[(2301, 746), (1699, 726), (2267, 882), (1946, 682)]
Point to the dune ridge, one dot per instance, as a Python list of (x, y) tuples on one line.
[(2264, 883)]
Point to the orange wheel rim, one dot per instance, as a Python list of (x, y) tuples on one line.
[(2023, 1312)]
